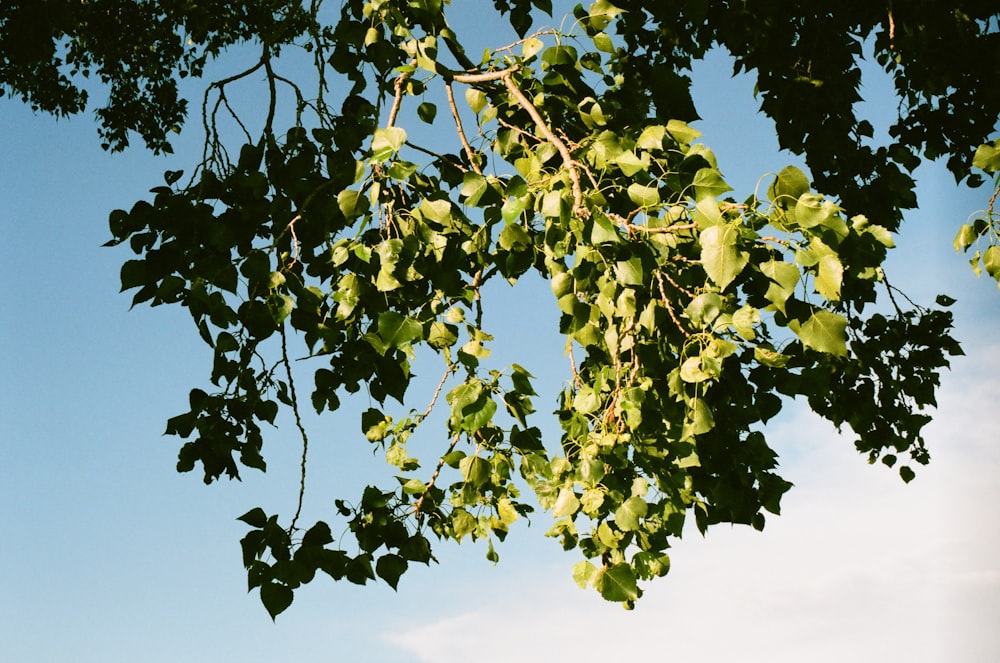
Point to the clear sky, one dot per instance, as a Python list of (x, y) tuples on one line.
[(106, 554)]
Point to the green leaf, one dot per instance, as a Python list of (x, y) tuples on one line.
[(649, 565), (991, 261), (618, 584), (390, 567), (643, 196), (629, 272), (708, 183), (254, 518), (681, 132), (692, 372), (965, 238), (134, 273), (476, 99), (414, 487), (627, 516), (506, 511), (702, 419), (604, 231), (744, 321), (462, 523), (531, 47), (630, 164), (719, 255), (784, 277), (474, 186), (386, 141), (824, 331), (603, 42), (514, 207), (770, 357), (830, 277), (475, 470), (788, 186), (704, 309), (427, 111), (813, 210), (584, 573), (601, 13), (652, 137), (395, 330), (276, 597), (987, 157), (586, 400), (566, 504), (560, 55), (280, 307), (442, 335)]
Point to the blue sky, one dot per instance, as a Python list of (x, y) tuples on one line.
[(106, 554)]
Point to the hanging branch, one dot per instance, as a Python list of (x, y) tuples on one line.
[(302, 431)]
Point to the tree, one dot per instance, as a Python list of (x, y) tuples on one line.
[(336, 236)]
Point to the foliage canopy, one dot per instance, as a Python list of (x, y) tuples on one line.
[(340, 235)]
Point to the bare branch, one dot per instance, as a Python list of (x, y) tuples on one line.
[(437, 392), (430, 484), (398, 98), (461, 132), (574, 173), (670, 308), (302, 430)]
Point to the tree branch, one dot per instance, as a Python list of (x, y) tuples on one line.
[(302, 430), (574, 173), (461, 132)]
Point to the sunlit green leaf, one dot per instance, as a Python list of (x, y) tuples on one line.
[(618, 584), (643, 196), (721, 258), (788, 186), (476, 99), (386, 142), (627, 516), (824, 331), (566, 504), (708, 183)]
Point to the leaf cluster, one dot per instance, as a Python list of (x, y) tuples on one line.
[(350, 242)]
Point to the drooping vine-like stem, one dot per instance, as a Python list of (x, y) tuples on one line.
[(301, 428)]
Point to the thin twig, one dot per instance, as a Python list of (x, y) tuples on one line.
[(437, 392), (443, 157), (509, 47), (298, 424), (479, 303), (295, 242), (461, 132), (430, 484), (572, 365), (670, 308), (676, 285), (652, 231)]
